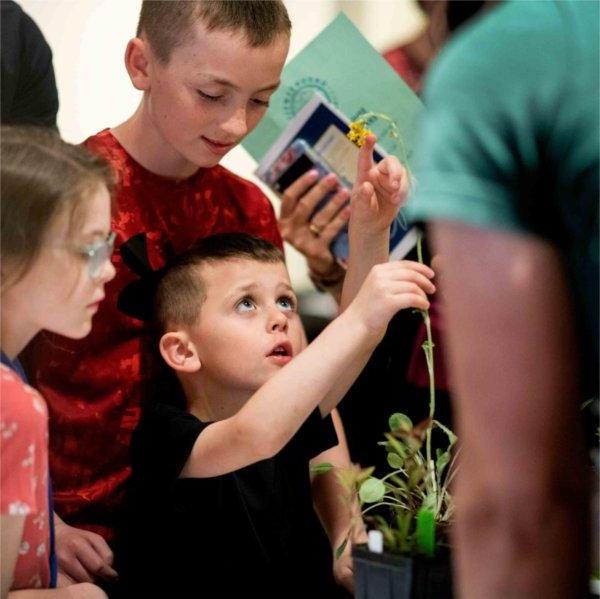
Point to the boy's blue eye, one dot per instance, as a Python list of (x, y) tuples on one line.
[(208, 97), (245, 305), (286, 303)]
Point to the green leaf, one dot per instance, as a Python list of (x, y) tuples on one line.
[(451, 436), (386, 530), (403, 521), (397, 446), (389, 540), (425, 532), (394, 478), (341, 548), (371, 491), (364, 474), (377, 520), (321, 468), (414, 443), (400, 422), (443, 458), (395, 461), (415, 476), (429, 502), (588, 402)]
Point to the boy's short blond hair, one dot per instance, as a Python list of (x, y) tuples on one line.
[(166, 23)]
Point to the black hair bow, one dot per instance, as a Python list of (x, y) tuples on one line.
[(137, 298)]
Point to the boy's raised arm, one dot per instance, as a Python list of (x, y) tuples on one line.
[(276, 411), (377, 195)]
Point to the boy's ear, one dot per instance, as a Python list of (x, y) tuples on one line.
[(137, 61), (179, 352)]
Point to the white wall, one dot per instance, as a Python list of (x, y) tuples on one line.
[(88, 39)]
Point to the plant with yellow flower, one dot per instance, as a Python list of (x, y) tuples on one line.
[(359, 130)]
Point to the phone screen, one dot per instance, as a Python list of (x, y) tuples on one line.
[(297, 169)]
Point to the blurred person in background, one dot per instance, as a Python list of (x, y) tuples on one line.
[(508, 182)]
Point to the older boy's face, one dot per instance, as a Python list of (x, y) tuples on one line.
[(248, 327), (212, 92)]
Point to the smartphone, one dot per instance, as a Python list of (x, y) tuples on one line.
[(298, 158)]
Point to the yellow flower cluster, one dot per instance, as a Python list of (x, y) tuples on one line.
[(358, 132)]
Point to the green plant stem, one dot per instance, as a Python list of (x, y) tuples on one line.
[(389, 474), (379, 504), (428, 350)]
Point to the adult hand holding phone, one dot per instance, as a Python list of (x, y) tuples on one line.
[(312, 233)]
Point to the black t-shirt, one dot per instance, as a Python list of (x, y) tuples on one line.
[(29, 95), (250, 533)]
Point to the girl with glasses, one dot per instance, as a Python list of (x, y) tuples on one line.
[(56, 246)]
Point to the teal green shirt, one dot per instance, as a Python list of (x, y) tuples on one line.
[(510, 139)]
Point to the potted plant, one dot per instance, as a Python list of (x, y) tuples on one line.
[(411, 506), (414, 511)]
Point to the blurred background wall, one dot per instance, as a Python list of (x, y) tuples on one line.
[(88, 39)]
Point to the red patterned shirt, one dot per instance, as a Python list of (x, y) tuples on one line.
[(24, 476), (94, 386)]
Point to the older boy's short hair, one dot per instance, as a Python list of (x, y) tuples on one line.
[(181, 290), (166, 23)]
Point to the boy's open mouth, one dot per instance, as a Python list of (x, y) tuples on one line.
[(281, 350)]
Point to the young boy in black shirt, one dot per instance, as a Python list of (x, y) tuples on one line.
[(221, 501)]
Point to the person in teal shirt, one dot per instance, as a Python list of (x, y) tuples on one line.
[(507, 180)]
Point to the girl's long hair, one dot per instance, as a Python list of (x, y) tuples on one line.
[(41, 177)]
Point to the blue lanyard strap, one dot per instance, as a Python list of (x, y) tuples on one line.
[(16, 366)]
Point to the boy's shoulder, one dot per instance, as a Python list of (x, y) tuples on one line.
[(168, 421), (103, 143), (162, 441)]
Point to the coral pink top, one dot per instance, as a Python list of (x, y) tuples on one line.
[(24, 475)]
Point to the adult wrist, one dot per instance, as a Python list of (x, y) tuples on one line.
[(326, 280)]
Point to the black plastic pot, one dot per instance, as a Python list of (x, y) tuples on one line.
[(388, 576)]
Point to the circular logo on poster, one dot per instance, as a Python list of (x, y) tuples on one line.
[(302, 91)]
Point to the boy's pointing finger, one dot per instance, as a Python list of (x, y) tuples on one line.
[(365, 158)]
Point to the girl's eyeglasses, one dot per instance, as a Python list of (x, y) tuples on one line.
[(96, 254)]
